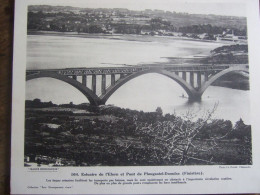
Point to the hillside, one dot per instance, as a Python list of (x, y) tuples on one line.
[(175, 19)]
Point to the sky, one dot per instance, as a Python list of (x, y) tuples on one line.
[(217, 7)]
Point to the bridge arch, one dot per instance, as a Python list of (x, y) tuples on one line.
[(220, 74), (93, 98), (192, 93)]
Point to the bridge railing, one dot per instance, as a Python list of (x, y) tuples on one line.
[(128, 70)]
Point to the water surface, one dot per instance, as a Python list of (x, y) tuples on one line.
[(146, 92)]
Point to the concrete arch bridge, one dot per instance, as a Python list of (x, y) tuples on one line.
[(194, 79)]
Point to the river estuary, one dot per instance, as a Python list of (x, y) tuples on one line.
[(146, 92)]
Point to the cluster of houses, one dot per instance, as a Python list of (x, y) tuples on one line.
[(230, 36), (225, 36), (109, 22)]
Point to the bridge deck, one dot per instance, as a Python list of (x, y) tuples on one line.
[(126, 70)]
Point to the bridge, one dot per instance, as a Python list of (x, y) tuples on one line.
[(194, 79)]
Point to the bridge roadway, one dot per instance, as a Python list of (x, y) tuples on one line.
[(194, 79)]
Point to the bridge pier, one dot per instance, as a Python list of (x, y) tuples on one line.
[(84, 80), (103, 84), (122, 75), (94, 83), (206, 76), (113, 79), (184, 76), (199, 79), (192, 79), (195, 97)]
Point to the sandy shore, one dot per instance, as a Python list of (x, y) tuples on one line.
[(127, 37)]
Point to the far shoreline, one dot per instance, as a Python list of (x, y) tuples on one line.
[(125, 37)]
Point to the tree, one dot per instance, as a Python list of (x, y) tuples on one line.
[(177, 139), (36, 101), (159, 111)]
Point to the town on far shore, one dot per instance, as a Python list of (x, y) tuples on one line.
[(147, 22)]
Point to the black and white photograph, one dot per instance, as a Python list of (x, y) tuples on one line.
[(137, 83)]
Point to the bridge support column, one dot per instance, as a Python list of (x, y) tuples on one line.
[(206, 76), (195, 97), (94, 81), (192, 79), (177, 73), (184, 76), (199, 79), (103, 84), (122, 76), (113, 79), (74, 77), (84, 80)]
